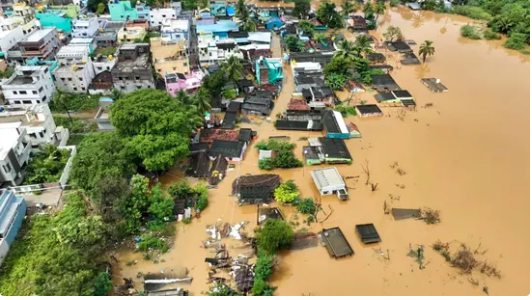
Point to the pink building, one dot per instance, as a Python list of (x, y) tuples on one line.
[(179, 81)]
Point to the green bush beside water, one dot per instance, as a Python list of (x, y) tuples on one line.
[(472, 12), (470, 32)]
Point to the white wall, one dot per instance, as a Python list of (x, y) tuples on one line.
[(4, 248), (158, 15), (74, 81), (85, 28), (10, 39), (42, 88)]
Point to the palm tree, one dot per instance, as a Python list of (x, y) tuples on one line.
[(379, 8), (183, 98), (347, 50), (347, 7), (61, 98), (363, 45), (232, 68), (426, 49), (241, 8), (202, 100), (245, 21), (307, 27), (326, 12)]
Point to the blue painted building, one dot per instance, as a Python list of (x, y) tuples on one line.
[(55, 18), (334, 125), (274, 23), (12, 213), (220, 28)]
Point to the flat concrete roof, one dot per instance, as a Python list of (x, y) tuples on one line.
[(327, 177), (37, 35)]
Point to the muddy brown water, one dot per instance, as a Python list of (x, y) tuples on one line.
[(467, 156)]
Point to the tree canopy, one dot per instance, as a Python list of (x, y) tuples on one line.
[(56, 255), (275, 235), (301, 8), (328, 15), (157, 127)]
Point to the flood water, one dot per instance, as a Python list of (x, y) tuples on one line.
[(467, 156)]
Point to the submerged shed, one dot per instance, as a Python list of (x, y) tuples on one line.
[(328, 181), (255, 189), (336, 243), (309, 125), (369, 110), (410, 59), (405, 213), (334, 125), (384, 83), (229, 121), (368, 234), (268, 213), (434, 84)]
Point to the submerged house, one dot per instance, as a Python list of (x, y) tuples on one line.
[(376, 57), (326, 150), (410, 59), (354, 86), (395, 97), (398, 46), (384, 83), (231, 150), (334, 125), (257, 105), (369, 110), (328, 181), (255, 189)]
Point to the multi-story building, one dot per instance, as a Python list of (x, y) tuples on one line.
[(139, 23), (104, 63), (90, 42), (108, 35), (122, 11), (143, 11), (7, 6), (43, 43), (29, 85), (24, 16), (176, 30), (15, 148), (75, 71), (169, 56), (131, 34), (158, 15), (212, 51), (7, 24), (85, 27), (9, 39), (12, 214), (178, 81), (133, 69), (55, 18), (36, 120)]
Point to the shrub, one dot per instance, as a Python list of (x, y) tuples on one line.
[(179, 190), (472, 12), (264, 266), (470, 32), (286, 192), (275, 235), (262, 288), (266, 164), (275, 145), (307, 206), (221, 289), (394, 3), (516, 41), (202, 196), (491, 35), (47, 165), (150, 242), (187, 220), (286, 160), (346, 110)]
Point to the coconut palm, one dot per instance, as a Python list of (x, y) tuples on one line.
[(347, 8), (241, 8), (363, 45), (245, 20), (202, 100), (379, 8), (183, 98), (347, 50), (307, 27), (61, 98), (232, 68), (426, 49)]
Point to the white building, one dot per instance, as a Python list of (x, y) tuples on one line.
[(9, 39), (85, 27), (15, 151), (175, 30), (104, 63), (29, 85), (75, 71), (158, 15), (7, 24), (329, 181), (213, 51)]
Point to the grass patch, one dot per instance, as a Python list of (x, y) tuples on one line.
[(105, 51), (346, 110), (75, 140), (470, 32), (516, 41), (472, 12), (75, 102)]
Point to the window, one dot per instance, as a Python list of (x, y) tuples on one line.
[(41, 89), (108, 68), (38, 101), (138, 87), (23, 92), (164, 16), (43, 98), (15, 93), (82, 88), (46, 70), (34, 92), (26, 101), (75, 89), (174, 68), (119, 78), (159, 70), (185, 64), (41, 134), (99, 68), (7, 167), (32, 135), (69, 79), (137, 77), (63, 79), (123, 87), (80, 79)]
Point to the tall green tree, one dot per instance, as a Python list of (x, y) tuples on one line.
[(363, 45), (157, 126), (201, 100), (393, 33), (161, 206), (328, 15), (245, 21), (274, 236), (426, 49), (301, 8), (61, 98), (307, 27), (335, 81), (232, 68), (99, 156), (347, 7), (347, 50), (380, 7)]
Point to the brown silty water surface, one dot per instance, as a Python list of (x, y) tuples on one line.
[(467, 156)]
